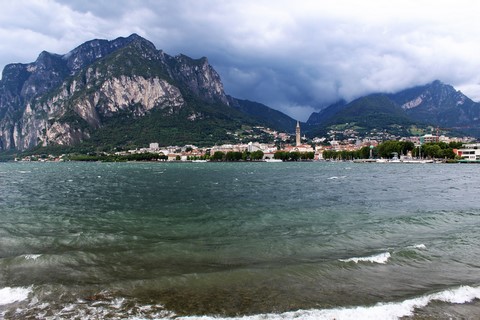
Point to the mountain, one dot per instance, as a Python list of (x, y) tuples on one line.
[(271, 117), (318, 118), (375, 111), (119, 93), (439, 104), (434, 104)]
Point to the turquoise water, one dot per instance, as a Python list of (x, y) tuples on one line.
[(260, 240)]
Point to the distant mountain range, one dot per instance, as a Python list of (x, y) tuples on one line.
[(435, 104), (126, 93)]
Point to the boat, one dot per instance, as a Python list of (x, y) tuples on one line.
[(273, 160), (395, 158), (417, 161)]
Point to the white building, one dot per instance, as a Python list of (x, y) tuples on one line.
[(470, 152), (153, 146), (256, 146)]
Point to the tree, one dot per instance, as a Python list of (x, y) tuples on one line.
[(294, 156), (256, 155), (218, 156), (364, 153), (432, 150), (455, 145), (282, 155), (386, 148), (329, 154), (233, 156), (308, 155)]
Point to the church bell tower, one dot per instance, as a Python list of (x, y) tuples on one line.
[(297, 134)]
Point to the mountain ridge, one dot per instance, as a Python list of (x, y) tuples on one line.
[(66, 99), (435, 104)]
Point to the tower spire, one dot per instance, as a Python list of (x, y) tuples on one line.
[(297, 134)]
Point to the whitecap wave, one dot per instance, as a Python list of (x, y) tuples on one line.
[(32, 256), (335, 177), (383, 311), (122, 309), (419, 246), (10, 295), (381, 258)]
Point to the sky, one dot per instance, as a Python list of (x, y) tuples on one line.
[(295, 56)]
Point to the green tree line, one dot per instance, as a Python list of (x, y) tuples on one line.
[(294, 156), (363, 153), (237, 156), (439, 150), (117, 158)]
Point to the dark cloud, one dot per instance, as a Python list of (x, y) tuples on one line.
[(294, 56)]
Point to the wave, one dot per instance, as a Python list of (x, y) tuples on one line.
[(335, 177), (32, 256), (419, 246), (102, 306), (383, 311), (10, 295), (381, 258)]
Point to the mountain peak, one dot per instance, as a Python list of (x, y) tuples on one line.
[(138, 40), (64, 99), (135, 36), (438, 103)]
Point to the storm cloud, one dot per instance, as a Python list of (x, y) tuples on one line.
[(295, 56)]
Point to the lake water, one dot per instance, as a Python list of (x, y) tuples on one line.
[(239, 240)]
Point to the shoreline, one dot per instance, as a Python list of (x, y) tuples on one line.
[(458, 302)]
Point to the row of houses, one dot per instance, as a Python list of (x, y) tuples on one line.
[(469, 152)]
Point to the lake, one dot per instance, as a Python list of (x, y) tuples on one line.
[(312, 240)]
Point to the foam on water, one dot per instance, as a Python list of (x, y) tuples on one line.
[(120, 308), (381, 258), (420, 246), (32, 256), (336, 177), (380, 311), (10, 295), (101, 306)]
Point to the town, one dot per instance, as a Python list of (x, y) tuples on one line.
[(287, 147)]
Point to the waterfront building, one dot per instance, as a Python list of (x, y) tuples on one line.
[(470, 152)]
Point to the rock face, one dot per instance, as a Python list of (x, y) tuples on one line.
[(62, 99), (439, 104)]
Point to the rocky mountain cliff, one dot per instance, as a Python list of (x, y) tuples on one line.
[(439, 104), (65, 99)]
